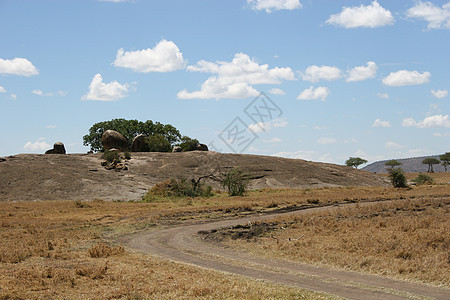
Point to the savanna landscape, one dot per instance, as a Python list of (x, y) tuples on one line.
[(116, 249)]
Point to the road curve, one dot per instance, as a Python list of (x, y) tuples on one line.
[(183, 244)]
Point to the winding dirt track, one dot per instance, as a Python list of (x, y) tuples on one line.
[(183, 244)]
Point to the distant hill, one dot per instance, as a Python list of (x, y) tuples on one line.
[(408, 165)]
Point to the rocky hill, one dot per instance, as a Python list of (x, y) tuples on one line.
[(408, 165), (81, 176)]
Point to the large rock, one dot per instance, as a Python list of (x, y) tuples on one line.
[(202, 147), (113, 139), (58, 148), (139, 144)]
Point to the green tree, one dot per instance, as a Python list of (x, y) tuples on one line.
[(129, 129), (397, 178), (355, 162), (188, 144), (430, 161), (392, 163), (445, 159), (158, 143), (235, 181)]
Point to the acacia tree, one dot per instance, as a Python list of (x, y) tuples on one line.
[(392, 163), (355, 162), (430, 162), (445, 159), (129, 129)]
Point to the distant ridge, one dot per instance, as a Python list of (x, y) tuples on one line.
[(413, 164)]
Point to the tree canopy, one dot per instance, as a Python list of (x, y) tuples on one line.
[(355, 162), (445, 159), (392, 163), (129, 129), (430, 162)]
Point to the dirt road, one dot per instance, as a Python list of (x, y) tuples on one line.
[(183, 244)]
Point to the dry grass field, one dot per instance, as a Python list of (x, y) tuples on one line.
[(68, 249)]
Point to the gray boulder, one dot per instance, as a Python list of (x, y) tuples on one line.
[(58, 148), (113, 139), (177, 149), (139, 144), (202, 147)]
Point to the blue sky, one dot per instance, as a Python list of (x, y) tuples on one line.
[(339, 78)]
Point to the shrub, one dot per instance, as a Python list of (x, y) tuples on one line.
[(235, 182), (158, 143), (127, 155), (110, 156), (188, 144), (179, 188), (423, 179), (397, 178)]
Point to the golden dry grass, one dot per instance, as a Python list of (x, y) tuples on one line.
[(62, 249)]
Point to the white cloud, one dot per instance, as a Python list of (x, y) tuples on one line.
[(13, 96), (269, 5), (362, 72), (372, 16), (312, 93), (392, 145), (235, 79), (315, 73), (2, 89), (17, 66), (326, 141), (266, 126), (37, 92), (63, 93), (273, 140), (439, 93), (277, 91), (438, 134), (435, 16), (405, 77), (98, 90), (164, 57), (383, 95), (428, 122), (50, 126), (39, 145), (379, 123)]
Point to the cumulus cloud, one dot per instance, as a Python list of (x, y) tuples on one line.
[(435, 16), (234, 79), (39, 145), (269, 5), (383, 95), (362, 72), (370, 16), (315, 73), (326, 141), (312, 93), (266, 126), (37, 92), (379, 123), (277, 91), (439, 93), (392, 145), (428, 122), (98, 90), (17, 66), (164, 57), (2, 89), (405, 77)]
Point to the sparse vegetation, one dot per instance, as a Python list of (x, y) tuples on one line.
[(397, 178), (355, 162), (111, 156), (178, 187), (235, 181), (445, 160)]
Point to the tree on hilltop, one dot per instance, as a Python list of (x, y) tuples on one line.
[(355, 162), (445, 159), (392, 163)]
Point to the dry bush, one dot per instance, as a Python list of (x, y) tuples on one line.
[(102, 250)]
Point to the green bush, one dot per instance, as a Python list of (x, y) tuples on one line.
[(235, 182), (397, 178), (127, 155), (423, 179), (110, 156), (178, 188), (188, 144), (158, 143)]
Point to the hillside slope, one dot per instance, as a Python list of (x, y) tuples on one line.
[(81, 176), (408, 165)]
